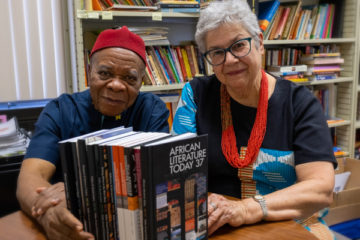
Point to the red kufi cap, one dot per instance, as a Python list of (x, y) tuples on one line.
[(121, 38)]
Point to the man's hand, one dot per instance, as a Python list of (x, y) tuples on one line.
[(223, 211), (47, 198), (60, 224)]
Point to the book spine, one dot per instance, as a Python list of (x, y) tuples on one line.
[(76, 166), (103, 204), (162, 66), (282, 22), (160, 79), (81, 145), (137, 158), (191, 60), (93, 190), (162, 55), (124, 191), (177, 63), (132, 194), (181, 61), (276, 22), (187, 64), (167, 55), (264, 23), (146, 192), (69, 178), (111, 194)]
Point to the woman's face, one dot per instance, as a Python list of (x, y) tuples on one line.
[(236, 73)]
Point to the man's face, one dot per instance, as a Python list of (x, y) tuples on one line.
[(115, 79)]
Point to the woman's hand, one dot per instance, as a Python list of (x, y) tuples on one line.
[(223, 211), (47, 198)]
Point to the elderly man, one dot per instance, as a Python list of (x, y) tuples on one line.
[(117, 67)]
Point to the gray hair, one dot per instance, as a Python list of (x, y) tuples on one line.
[(226, 11)]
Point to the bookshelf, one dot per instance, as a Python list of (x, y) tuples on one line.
[(182, 28), (347, 85)]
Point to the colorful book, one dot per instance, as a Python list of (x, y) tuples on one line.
[(169, 183), (267, 11)]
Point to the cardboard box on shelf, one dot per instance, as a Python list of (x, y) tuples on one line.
[(346, 204)]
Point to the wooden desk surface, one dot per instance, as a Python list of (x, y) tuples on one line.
[(18, 226)]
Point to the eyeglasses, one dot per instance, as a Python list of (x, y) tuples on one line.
[(238, 49)]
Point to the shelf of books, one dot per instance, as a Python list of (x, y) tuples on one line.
[(311, 42), (315, 43)]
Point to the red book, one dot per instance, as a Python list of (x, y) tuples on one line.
[(181, 61)]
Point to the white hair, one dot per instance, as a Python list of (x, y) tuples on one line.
[(226, 11)]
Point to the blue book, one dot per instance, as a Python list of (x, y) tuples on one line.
[(267, 11)]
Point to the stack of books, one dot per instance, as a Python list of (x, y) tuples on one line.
[(124, 184), (152, 35), (13, 139), (188, 6), (294, 73), (323, 65)]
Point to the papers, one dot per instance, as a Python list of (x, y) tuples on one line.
[(13, 140), (340, 181)]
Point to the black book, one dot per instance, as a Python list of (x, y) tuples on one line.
[(70, 168), (124, 188), (174, 173), (96, 168)]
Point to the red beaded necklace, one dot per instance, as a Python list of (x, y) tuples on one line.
[(228, 140)]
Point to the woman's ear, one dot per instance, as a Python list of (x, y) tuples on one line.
[(261, 43)]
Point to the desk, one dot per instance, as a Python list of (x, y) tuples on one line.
[(18, 226)]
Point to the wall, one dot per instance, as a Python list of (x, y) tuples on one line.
[(33, 49)]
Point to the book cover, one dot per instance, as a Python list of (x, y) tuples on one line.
[(267, 11), (175, 188)]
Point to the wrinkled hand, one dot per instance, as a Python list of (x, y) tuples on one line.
[(60, 224), (223, 211), (48, 197)]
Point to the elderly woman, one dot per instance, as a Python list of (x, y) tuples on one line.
[(269, 144)]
